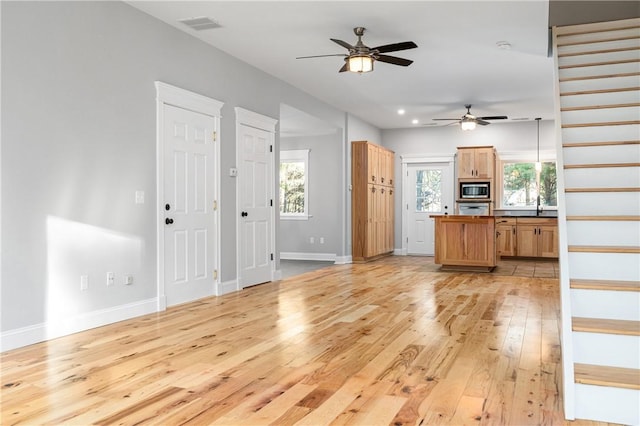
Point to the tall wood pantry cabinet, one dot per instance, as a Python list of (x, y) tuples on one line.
[(372, 194)]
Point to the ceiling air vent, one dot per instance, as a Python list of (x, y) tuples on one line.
[(199, 24)]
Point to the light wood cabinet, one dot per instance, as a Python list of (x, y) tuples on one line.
[(371, 201), (476, 162), (506, 236), (537, 237), (467, 241)]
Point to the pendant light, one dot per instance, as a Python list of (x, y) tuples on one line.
[(538, 163)]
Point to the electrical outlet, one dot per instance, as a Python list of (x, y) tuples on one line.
[(321, 240), (84, 282), (128, 279), (111, 279), (312, 240)]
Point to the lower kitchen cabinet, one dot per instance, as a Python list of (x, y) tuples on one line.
[(536, 237), (506, 236)]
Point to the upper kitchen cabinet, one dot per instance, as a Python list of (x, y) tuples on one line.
[(476, 162)]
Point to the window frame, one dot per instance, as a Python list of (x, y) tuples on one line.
[(520, 157), (296, 156)]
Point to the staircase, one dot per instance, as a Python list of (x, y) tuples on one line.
[(598, 129)]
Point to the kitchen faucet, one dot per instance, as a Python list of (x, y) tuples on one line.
[(538, 206)]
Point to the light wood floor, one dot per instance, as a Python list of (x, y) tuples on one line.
[(389, 342)]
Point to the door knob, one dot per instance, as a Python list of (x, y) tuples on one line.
[(244, 214), (168, 221)]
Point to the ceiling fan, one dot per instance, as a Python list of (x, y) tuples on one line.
[(469, 121), (361, 57)]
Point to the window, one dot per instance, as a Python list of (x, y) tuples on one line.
[(429, 191), (520, 184), (294, 184)]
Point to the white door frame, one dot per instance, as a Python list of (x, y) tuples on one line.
[(406, 187), (167, 94), (253, 119)]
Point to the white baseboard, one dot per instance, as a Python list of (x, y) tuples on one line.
[(343, 260), (327, 257), (277, 275), (227, 287), (400, 252), (29, 335)]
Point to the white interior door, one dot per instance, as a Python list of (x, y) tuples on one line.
[(429, 192), (189, 195), (255, 181)]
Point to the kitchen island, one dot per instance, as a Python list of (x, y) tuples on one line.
[(465, 242)]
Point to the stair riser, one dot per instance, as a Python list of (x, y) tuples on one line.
[(599, 57), (606, 266), (601, 45), (599, 84), (607, 404), (589, 37), (602, 154), (601, 133), (589, 233), (601, 98), (601, 115), (609, 177), (598, 349), (619, 305), (604, 203)]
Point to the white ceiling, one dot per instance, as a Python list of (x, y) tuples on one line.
[(457, 60)]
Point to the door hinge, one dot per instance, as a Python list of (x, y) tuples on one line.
[(271, 256), (215, 136), (270, 148), (215, 274), (215, 205)]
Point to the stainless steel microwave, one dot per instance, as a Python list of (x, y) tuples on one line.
[(475, 190)]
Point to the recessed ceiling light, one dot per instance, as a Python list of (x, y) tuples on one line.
[(400, 111), (503, 45), (414, 121)]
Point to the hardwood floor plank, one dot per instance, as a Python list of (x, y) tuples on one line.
[(391, 341)]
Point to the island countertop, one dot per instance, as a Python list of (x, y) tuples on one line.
[(465, 242)]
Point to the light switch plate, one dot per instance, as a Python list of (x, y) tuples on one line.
[(139, 197)]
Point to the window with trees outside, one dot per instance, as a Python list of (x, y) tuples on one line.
[(294, 184), (521, 184)]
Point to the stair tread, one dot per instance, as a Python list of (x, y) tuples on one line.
[(598, 91), (604, 249), (587, 374), (597, 40), (612, 285), (608, 326), (595, 77), (601, 123), (598, 64), (605, 218), (598, 52), (600, 165), (601, 143), (590, 107)]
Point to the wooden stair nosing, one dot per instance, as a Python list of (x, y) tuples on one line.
[(579, 190), (595, 77), (591, 107), (600, 91), (628, 378), (601, 124), (606, 326), (560, 30), (598, 64), (604, 40), (601, 143), (600, 165), (604, 249), (606, 285), (609, 218), (597, 52)]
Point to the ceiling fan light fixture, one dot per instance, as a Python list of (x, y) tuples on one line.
[(467, 124), (360, 63)]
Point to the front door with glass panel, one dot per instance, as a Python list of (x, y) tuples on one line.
[(430, 192)]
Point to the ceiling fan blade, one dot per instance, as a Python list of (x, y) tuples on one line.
[(344, 68), (343, 44), (446, 119), (481, 122), (494, 117), (320, 56), (393, 60), (394, 47)]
